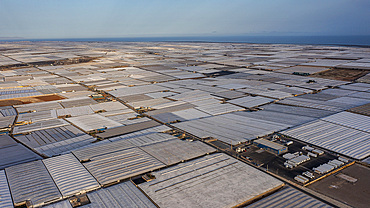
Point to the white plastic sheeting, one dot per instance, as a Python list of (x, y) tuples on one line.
[(144, 132), (175, 150), (38, 106), (5, 198), (230, 127), (218, 108), (363, 87), (277, 94), (31, 181), (215, 180), (69, 175), (149, 102), (150, 138), (352, 120), (89, 153), (120, 196), (136, 90), (36, 116), (40, 125), (61, 204), (108, 106), (92, 122), (323, 105), (8, 111), (250, 101), (74, 111), (289, 198), (65, 146), (116, 166), (190, 114), (344, 140), (48, 136)]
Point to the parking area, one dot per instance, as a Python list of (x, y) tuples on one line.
[(350, 185)]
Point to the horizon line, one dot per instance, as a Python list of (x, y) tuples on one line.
[(183, 36)]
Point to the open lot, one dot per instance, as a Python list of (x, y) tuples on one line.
[(26, 100), (341, 74), (354, 194)]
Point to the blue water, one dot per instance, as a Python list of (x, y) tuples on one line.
[(315, 40)]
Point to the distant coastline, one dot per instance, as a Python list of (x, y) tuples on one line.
[(357, 41)]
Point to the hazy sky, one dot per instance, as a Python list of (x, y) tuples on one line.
[(150, 18)]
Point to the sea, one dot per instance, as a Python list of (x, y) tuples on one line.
[(360, 41)]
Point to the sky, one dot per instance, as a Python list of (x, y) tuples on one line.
[(39, 19)]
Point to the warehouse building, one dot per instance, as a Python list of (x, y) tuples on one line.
[(271, 146)]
